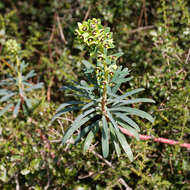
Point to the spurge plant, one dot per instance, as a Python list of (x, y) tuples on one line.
[(100, 106)]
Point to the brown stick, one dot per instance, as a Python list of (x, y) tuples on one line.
[(161, 140), (87, 13), (60, 29)]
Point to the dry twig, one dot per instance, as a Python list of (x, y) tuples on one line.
[(60, 29)]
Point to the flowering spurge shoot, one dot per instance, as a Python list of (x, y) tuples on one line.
[(15, 89), (101, 108)]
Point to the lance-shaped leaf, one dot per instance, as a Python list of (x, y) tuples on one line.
[(34, 87), (79, 121), (16, 109), (121, 138), (92, 103), (29, 75), (71, 88), (133, 111), (131, 93), (4, 110), (116, 88), (132, 101), (105, 137), (117, 55), (88, 65), (62, 106), (64, 111), (114, 140), (4, 92), (129, 128), (6, 97), (83, 132), (128, 120), (28, 102), (90, 137), (121, 80)]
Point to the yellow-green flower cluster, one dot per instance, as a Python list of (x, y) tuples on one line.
[(93, 34), (12, 47)]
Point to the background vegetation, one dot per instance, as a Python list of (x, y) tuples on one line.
[(154, 36)]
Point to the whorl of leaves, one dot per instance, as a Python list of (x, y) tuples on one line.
[(97, 115)]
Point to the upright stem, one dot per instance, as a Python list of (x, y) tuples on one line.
[(19, 78), (104, 96)]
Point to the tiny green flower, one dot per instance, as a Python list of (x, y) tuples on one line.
[(12, 47), (93, 32)]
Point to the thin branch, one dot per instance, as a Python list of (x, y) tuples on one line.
[(122, 181), (145, 13), (187, 59), (48, 182), (17, 183), (141, 29), (102, 158), (161, 140), (60, 29), (87, 13)]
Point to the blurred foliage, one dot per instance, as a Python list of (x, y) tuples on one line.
[(154, 36)]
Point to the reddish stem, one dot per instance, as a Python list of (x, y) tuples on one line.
[(162, 140)]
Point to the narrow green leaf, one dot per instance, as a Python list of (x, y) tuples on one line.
[(87, 64), (105, 138), (133, 111), (64, 111), (17, 107), (28, 102), (111, 118), (80, 95), (34, 87), (90, 136), (114, 140), (132, 101), (124, 144), (6, 97), (4, 92), (116, 88), (82, 133), (131, 93), (128, 120), (117, 55), (8, 82), (90, 104), (4, 110), (130, 129), (121, 138), (108, 60), (29, 75), (85, 87), (79, 121), (121, 80), (71, 88), (62, 106)]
